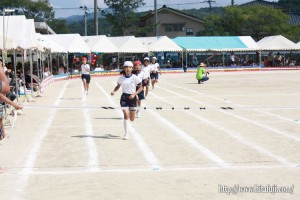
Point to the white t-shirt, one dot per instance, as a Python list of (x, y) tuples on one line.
[(85, 69), (154, 67), (129, 84), (141, 75), (147, 70)]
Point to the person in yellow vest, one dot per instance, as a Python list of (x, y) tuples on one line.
[(201, 74)]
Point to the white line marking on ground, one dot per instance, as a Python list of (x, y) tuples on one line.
[(209, 154), (31, 158), (147, 153), (143, 170), (271, 129), (241, 106), (93, 153), (236, 136)]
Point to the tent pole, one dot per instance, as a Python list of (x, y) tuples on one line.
[(118, 61), (260, 59), (16, 78), (23, 69), (57, 62), (38, 62), (223, 59), (51, 65), (181, 59), (186, 59), (31, 68), (68, 63)]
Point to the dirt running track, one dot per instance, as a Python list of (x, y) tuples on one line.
[(175, 154)]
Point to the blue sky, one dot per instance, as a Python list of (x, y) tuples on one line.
[(177, 4)]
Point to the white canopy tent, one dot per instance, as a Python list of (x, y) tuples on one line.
[(160, 44), (74, 43), (100, 44), (277, 42), (9, 42), (54, 46), (128, 44)]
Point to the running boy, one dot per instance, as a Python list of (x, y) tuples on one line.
[(154, 73), (129, 83), (200, 71), (85, 75), (141, 75), (146, 69)]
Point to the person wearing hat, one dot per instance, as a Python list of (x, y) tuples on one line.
[(131, 86), (154, 72), (201, 74), (141, 75), (147, 70), (4, 89), (85, 75)]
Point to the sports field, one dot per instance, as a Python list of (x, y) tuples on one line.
[(247, 134)]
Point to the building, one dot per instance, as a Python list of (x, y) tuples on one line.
[(263, 3), (172, 23), (43, 28), (294, 17)]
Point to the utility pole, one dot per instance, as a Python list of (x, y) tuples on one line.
[(155, 20), (96, 16), (232, 2), (85, 9), (210, 2)]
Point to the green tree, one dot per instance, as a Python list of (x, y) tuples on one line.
[(59, 26), (123, 18), (257, 21), (39, 10)]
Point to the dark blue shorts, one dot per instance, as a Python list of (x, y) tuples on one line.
[(141, 95), (126, 102), (147, 82), (87, 77), (154, 76)]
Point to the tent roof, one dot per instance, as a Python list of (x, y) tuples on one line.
[(128, 44), (74, 43), (160, 44), (54, 46), (217, 43), (165, 44), (21, 30), (9, 42), (100, 44), (277, 42)]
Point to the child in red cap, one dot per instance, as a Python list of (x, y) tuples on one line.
[(141, 75), (85, 75)]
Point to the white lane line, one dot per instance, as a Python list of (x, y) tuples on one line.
[(271, 129), (182, 134), (31, 158), (235, 104), (147, 170), (236, 136), (147, 153), (278, 116), (93, 153)]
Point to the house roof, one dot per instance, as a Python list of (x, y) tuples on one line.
[(295, 19), (178, 12), (264, 3)]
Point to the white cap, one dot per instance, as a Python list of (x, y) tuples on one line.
[(146, 58), (127, 64), (154, 58)]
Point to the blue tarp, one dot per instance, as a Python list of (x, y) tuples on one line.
[(211, 43)]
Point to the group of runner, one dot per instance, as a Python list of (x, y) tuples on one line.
[(135, 77)]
